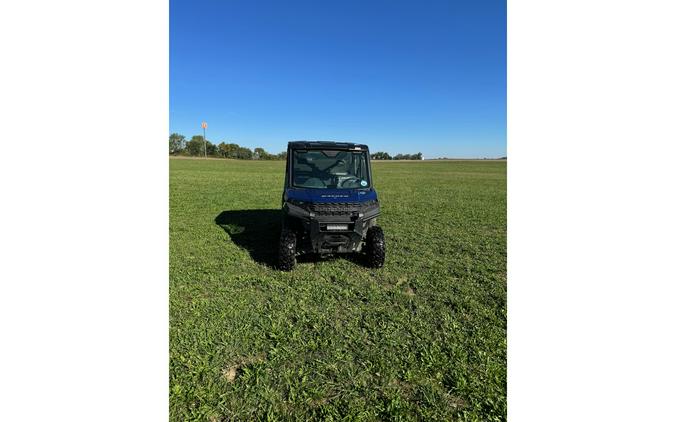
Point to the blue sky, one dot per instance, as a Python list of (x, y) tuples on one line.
[(400, 76)]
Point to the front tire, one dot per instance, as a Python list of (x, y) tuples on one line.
[(287, 248), (375, 249)]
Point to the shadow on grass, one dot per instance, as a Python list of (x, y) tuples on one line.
[(257, 231)]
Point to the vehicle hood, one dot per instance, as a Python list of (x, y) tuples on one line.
[(332, 195)]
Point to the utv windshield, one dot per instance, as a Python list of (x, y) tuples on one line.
[(330, 169)]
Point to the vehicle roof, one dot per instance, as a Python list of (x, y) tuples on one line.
[(325, 144)]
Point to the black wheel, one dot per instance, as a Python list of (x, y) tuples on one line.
[(287, 250), (375, 247)]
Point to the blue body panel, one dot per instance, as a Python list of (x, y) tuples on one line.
[(331, 195)]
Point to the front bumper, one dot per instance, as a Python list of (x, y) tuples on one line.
[(315, 236)]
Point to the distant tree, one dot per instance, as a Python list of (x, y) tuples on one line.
[(235, 151), (282, 155), (176, 143), (225, 150), (232, 150), (195, 146), (244, 153), (211, 149), (221, 149), (261, 154), (380, 156), (417, 156)]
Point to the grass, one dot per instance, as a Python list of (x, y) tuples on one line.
[(423, 338)]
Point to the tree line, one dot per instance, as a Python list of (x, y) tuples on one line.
[(195, 148), (386, 156), (178, 145)]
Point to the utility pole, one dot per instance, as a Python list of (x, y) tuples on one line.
[(204, 126)]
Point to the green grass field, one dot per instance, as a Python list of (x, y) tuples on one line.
[(423, 338)]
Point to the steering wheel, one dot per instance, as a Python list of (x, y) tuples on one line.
[(342, 183), (337, 162)]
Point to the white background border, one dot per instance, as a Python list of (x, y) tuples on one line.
[(84, 214), (590, 210)]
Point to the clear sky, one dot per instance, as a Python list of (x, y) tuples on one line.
[(400, 76)]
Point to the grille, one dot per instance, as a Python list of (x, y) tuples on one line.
[(336, 208)]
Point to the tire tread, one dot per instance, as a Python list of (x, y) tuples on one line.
[(375, 247), (287, 249)]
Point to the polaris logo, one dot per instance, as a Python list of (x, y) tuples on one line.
[(335, 196)]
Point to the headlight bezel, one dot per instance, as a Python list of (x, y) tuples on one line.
[(297, 203)]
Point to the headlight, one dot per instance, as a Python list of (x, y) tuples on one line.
[(304, 206), (369, 204), (297, 203)]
